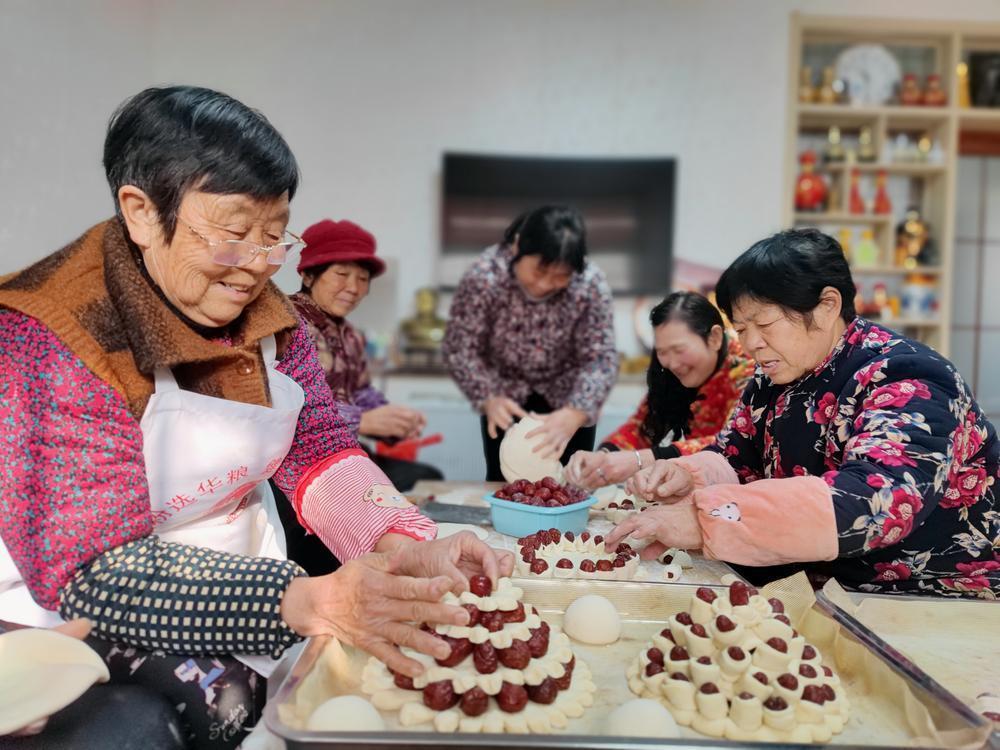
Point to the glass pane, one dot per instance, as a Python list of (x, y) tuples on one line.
[(966, 281), (988, 393)]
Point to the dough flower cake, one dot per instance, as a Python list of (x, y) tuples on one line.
[(554, 554), (509, 671)]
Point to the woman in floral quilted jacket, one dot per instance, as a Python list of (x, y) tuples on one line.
[(855, 453)]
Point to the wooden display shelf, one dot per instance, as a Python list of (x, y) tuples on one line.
[(896, 271), (841, 217), (976, 129), (848, 116), (914, 169), (897, 323), (982, 119)]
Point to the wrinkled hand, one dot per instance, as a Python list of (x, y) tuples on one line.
[(500, 412), (666, 481), (674, 525), (591, 469), (78, 629), (392, 421), (556, 430), (365, 604), (458, 557)]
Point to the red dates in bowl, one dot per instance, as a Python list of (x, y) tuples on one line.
[(545, 493)]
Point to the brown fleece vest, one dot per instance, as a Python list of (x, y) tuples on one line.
[(95, 297)]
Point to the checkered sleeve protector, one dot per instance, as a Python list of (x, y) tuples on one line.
[(183, 599)]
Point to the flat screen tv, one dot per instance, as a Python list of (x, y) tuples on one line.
[(627, 204)]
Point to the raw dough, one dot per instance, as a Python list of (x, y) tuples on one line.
[(346, 713), (41, 672), (518, 459), (641, 717), (675, 556), (592, 619), (611, 493), (450, 529), (758, 689)]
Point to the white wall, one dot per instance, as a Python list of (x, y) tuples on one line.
[(370, 92), (64, 67)]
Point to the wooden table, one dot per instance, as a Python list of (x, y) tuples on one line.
[(471, 494)]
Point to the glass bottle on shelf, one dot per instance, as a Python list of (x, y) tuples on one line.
[(834, 148), (866, 145), (962, 82), (923, 148), (846, 237), (882, 204), (934, 94), (827, 93), (866, 251), (919, 296), (807, 92), (856, 204)]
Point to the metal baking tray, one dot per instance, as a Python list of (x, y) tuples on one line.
[(986, 644), (644, 609)]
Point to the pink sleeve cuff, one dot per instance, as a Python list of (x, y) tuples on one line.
[(768, 522), (708, 468), (349, 503)]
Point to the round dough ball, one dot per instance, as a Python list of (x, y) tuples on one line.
[(346, 713), (592, 619), (641, 717)]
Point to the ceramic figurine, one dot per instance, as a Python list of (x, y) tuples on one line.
[(810, 189), (882, 204), (909, 93), (807, 92), (856, 202), (934, 94)]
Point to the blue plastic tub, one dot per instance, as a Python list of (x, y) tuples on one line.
[(518, 519)]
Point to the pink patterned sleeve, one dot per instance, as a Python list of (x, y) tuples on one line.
[(351, 504), (338, 492), (321, 431), (72, 475)]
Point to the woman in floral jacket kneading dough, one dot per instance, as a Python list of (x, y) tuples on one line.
[(855, 452)]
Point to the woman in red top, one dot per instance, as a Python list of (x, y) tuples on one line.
[(696, 376)]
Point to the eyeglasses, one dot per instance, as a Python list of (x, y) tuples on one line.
[(240, 253)]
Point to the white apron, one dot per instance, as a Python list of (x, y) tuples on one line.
[(207, 464)]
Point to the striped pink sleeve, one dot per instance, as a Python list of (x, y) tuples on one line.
[(350, 504)]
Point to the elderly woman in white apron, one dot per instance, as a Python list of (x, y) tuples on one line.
[(152, 379)]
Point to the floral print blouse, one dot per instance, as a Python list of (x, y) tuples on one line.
[(709, 412), (340, 349), (501, 343), (910, 458)]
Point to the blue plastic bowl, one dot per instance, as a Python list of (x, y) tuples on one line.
[(518, 519)]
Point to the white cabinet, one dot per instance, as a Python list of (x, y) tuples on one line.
[(460, 455)]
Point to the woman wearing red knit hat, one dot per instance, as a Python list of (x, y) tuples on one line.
[(337, 266)]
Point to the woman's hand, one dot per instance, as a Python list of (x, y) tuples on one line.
[(665, 481), (674, 525), (500, 412), (459, 557), (392, 421), (590, 469), (365, 604), (557, 429)]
